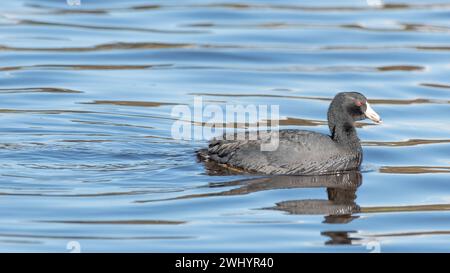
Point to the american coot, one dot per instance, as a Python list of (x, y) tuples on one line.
[(300, 151)]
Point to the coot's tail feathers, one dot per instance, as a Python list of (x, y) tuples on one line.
[(206, 153), (202, 154)]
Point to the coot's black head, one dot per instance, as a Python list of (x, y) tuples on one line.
[(349, 107)]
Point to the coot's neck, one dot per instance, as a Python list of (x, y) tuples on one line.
[(344, 133)]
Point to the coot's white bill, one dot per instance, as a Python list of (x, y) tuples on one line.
[(371, 114)]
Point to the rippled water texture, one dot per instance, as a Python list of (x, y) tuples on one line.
[(86, 154)]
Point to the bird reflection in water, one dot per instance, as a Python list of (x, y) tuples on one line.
[(338, 208)]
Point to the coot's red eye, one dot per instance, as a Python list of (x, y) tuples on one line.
[(358, 103)]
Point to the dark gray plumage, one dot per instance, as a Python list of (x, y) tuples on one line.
[(300, 151)]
